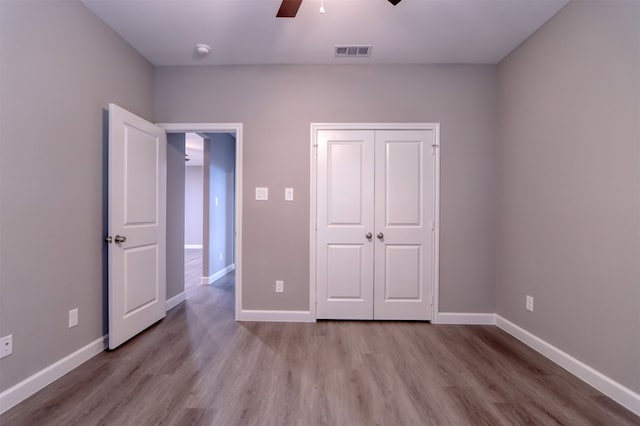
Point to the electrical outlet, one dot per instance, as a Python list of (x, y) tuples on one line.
[(279, 286), (6, 346), (73, 317), (529, 303)]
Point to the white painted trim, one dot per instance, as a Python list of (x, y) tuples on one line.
[(215, 277), (313, 227), (175, 301), (619, 393), (373, 126), (436, 236), (313, 198), (464, 318), (32, 384), (224, 128), (275, 316), (193, 246), (201, 127)]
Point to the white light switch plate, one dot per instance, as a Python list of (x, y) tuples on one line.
[(262, 193), (288, 194), (279, 286), (73, 317)]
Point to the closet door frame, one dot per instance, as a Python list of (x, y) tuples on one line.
[(315, 127)]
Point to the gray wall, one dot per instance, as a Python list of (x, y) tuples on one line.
[(569, 203), (565, 168), (193, 197), (276, 104), (61, 66), (175, 213), (219, 156)]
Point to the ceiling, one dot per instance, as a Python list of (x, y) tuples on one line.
[(247, 31)]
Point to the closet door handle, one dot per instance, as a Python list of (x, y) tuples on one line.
[(380, 235), (369, 235)]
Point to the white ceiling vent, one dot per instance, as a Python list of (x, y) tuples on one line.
[(353, 51)]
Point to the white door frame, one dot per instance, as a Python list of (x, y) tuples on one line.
[(223, 128), (313, 199)]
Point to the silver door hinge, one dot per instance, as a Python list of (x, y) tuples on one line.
[(434, 147), (433, 225), (432, 299)]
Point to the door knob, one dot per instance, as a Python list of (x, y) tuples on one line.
[(380, 235), (108, 239), (120, 239), (369, 235)]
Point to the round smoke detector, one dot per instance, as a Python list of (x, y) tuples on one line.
[(203, 49)]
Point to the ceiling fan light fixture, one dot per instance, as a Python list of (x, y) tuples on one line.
[(322, 7), (288, 8)]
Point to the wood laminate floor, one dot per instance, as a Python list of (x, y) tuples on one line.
[(200, 367)]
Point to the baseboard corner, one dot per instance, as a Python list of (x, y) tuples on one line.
[(175, 301), (614, 390), (216, 276), (32, 384)]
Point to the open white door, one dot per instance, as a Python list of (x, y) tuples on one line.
[(137, 221)]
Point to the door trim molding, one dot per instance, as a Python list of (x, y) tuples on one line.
[(313, 198), (223, 128)]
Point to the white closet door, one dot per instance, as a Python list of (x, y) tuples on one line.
[(344, 218), (404, 214)]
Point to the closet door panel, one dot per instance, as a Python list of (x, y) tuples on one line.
[(404, 214), (344, 217)]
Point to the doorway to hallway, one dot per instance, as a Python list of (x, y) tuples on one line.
[(209, 224), (216, 258)]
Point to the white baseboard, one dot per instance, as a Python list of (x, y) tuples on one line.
[(175, 301), (193, 246), (275, 316), (215, 277), (614, 390), (464, 318), (23, 390)]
